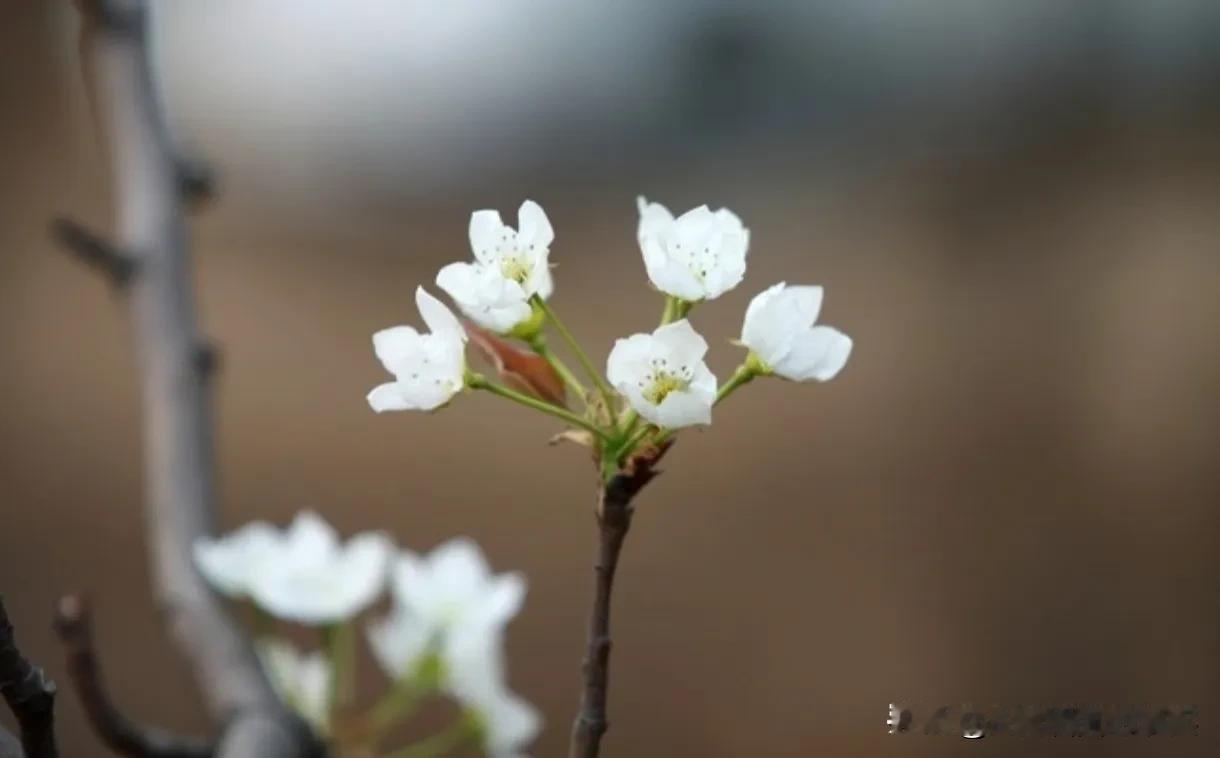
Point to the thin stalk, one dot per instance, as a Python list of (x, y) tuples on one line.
[(540, 347), (464, 732), (631, 442), (478, 382), (581, 356), (341, 649)]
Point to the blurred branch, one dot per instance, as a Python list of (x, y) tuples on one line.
[(30, 696), (614, 512), (74, 624), (177, 426), (93, 250)]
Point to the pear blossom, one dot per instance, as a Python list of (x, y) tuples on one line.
[(663, 375), (301, 680), (510, 267), (475, 677), (442, 600), (302, 574), (698, 256), (779, 329), (429, 369), (230, 563)]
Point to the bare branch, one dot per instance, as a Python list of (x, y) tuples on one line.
[(94, 251), (74, 624), (614, 512), (29, 693), (177, 427)]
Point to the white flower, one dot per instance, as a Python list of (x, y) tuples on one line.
[(442, 600), (230, 563), (302, 574), (779, 329), (663, 375), (475, 678), (302, 681), (510, 267), (698, 256), (428, 369)]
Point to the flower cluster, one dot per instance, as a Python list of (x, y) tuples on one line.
[(443, 635), (660, 377)]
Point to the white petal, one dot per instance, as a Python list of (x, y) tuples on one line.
[(486, 297), (512, 723), (309, 540), (395, 347), (459, 567), (229, 564), (504, 597), (461, 282), (817, 354), (388, 397), (312, 696), (398, 642), (533, 227), (629, 359), (363, 567), (685, 408), (776, 318), (680, 343), (440, 319), (486, 229), (655, 219), (670, 276)]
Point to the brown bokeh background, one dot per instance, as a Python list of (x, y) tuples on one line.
[(1009, 495)]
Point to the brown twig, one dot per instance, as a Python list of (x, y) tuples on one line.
[(614, 512), (74, 624), (151, 229), (93, 250), (29, 693)]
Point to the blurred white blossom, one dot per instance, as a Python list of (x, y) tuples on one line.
[(779, 329), (663, 375), (303, 574), (448, 604), (510, 267), (428, 369), (443, 600), (698, 256), (302, 681), (231, 563)]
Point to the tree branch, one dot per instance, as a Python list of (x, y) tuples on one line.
[(177, 429), (74, 624), (30, 696), (614, 512), (94, 251)]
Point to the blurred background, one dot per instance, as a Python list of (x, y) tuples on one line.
[(1009, 496)]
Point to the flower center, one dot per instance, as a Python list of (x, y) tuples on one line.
[(661, 380), (699, 260), (515, 267)]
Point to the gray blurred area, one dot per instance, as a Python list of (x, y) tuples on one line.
[(1009, 496)]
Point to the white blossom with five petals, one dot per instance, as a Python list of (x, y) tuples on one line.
[(429, 369), (510, 267), (779, 329), (698, 256), (304, 574), (663, 375), (302, 680)]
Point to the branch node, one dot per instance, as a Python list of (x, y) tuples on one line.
[(94, 250), (196, 180), (74, 625)]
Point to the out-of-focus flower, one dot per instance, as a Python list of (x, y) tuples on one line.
[(428, 369), (301, 680), (230, 563), (779, 329), (475, 678), (510, 267), (303, 574), (663, 375), (698, 256), (442, 600)]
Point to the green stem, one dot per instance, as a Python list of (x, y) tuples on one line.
[(631, 442), (743, 375), (671, 308), (399, 703), (581, 356), (479, 382), (340, 644), (538, 343), (464, 732)]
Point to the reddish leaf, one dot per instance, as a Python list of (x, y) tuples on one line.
[(522, 369)]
